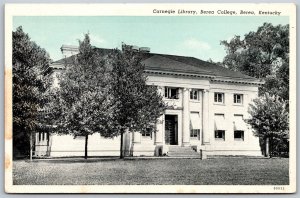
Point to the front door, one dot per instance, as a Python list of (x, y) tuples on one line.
[(171, 130)]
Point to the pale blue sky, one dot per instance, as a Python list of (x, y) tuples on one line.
[(198, 36)]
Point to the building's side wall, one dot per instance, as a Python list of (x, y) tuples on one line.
[(250, 145), (67, 145)]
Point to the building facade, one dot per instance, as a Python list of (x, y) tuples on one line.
[(207, 108)]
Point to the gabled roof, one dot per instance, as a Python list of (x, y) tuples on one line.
[(180, 65)]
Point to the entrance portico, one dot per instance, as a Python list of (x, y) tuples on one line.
[(174, 127)]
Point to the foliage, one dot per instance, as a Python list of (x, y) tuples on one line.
[(83, 93), (31, 83), (106, 94), (270, 119), (136, 106), (263, 54)]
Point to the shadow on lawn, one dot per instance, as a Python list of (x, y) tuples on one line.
[(95, 159), (70, 160)]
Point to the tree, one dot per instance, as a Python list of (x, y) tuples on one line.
[(31, 83), (83, 93), (278, 84), (270, 119), (135, 106), (262, 54)]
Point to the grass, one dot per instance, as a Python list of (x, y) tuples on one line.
[(225, 171)]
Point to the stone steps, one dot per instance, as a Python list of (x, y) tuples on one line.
[(182, 152)]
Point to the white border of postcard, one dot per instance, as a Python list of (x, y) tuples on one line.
[(11, 10)]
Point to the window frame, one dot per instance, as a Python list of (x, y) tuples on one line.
[(146, 133), (195, 133), (220, 138), (242, 138), (216, 97), (193, 93), (168, 92), (235, 99)]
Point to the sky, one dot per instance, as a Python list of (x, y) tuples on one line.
[(197, 36)]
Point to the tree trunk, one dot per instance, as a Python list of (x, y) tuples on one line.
[(86, 147), (31, 146), (271, 146), (121, 146), (267, 154)]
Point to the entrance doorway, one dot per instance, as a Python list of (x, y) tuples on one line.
[(171, 129)]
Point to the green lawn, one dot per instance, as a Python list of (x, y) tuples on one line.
[(226, 171)]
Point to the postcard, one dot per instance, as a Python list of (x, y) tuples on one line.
[(150, 98)]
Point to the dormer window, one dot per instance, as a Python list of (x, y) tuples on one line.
[(171, 93)]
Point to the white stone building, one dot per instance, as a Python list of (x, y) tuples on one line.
[(209, 105)]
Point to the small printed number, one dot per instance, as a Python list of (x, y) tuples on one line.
[(278, 188)]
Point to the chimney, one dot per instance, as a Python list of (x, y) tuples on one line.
[(135, 48), (69, 50), (144, 49)]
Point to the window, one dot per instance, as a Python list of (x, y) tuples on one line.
[(171, 93), (195, 125), (43, 136), (195, 133), (239, 127), (238, 98), (239, 135), (194, 94), (147, 133), (220, 126), (220, 135), (219, 97), (220, 123)]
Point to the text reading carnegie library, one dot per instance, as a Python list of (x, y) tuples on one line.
[(193, 12)]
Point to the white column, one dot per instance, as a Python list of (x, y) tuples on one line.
[(136, 137), (186, 118), (205, 121), (159, 131), (160, 126)]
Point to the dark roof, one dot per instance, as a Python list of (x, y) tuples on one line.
[(178, 64), (161, 63)]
